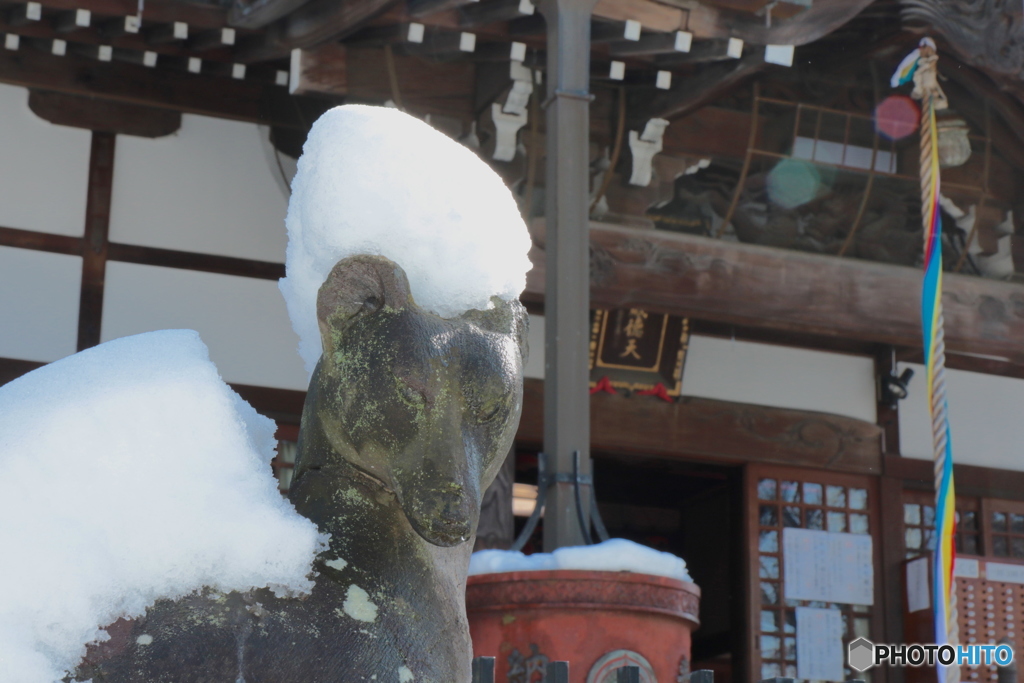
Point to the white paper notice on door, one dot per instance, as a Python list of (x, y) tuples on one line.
[(819, 644), (918, 589), (828, 567)]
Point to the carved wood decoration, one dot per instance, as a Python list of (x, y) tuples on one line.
[(705, 429), (985, 33)]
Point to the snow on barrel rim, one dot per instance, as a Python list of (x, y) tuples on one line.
[(613, 555), (374, 180), (134, 473)]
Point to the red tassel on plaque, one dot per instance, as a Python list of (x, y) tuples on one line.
[(659, 391), (603, 385)]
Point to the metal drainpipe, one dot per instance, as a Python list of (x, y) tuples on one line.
[(567, 290)]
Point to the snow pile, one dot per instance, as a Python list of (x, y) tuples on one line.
[(131, 472), (614, 555), (373, 180)]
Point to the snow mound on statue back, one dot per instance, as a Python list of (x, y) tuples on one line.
[(373, 180), (131, 472), (613, 555)]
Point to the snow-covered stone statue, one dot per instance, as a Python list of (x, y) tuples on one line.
[(407, 420), (406, 257)]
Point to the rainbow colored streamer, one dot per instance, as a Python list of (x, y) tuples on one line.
[(920, 66), (934, 356)]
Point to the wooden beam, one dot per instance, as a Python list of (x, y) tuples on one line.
[(489, 11), (445, 89), (693, 92), (209, 263), (720, 431), (149, 256), (259, 13), (40, 241), (322, 70), (890, 510), (653, 16), (792, 291), (195, 14), (282, 405), (971, 480), (97, 227), (162, 88), (315, 23), (110, 33), (11, 369), (103, 115), (424, 8), (820, 19), (709, 132)]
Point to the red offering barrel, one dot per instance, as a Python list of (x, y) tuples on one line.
[(598, 621)]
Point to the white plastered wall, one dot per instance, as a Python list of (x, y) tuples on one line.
[(44, 169), (208, 188), (39, 295), (243, 321), (986, 419)]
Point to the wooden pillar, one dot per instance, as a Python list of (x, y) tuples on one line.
[(567, 291), (888, 416), (97, 226)]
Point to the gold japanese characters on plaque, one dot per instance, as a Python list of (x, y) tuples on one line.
[(637, 350)]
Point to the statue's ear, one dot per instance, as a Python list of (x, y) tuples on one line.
[(357, 286), (506, 317)]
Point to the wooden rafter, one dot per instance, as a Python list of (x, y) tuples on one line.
[(315, 23), (168, 89)]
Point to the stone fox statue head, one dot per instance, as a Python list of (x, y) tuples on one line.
[(427, 407)]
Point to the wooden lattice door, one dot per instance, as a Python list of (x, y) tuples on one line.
[(780, 498)]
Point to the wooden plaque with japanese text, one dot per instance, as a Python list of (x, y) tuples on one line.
[(637, 350)]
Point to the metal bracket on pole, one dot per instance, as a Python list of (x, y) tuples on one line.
[(544, 482)]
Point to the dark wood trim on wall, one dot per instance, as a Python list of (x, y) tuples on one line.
[(94, 244), (96, 114), (719, 431), (40, 241), (888, 415), (208, 263), (281, 405), (971, 480), (890, 498), (11, 369), (150, 256)]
